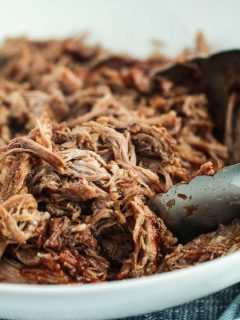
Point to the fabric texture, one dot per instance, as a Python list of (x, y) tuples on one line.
[(224, 305)]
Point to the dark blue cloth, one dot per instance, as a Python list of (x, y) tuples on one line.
[(224, 305)]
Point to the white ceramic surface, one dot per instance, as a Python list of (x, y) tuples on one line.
[(125, 25), (120, 298)]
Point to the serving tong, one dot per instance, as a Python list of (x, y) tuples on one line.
[(189, 209)]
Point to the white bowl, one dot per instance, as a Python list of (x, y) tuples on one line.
[(128, 26), (119, 298)]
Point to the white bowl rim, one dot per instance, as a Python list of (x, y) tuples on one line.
[(125, 284)]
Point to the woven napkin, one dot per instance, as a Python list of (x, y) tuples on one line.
[(224, 305)]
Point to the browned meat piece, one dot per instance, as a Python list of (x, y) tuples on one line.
[(92, 268), (63, 233), (10, 272), (204, 248), (151, 241), (14, 172), (47, 271), (208, 168), (26, 145), (19, 218), (3, 246), (105, 106)]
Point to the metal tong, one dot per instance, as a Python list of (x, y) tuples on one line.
[(189, 209)]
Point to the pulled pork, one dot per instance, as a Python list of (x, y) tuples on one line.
[(86, 138)]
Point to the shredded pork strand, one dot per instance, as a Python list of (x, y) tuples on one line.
[(86, 138)]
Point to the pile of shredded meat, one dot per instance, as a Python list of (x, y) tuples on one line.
[(86, 138)]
